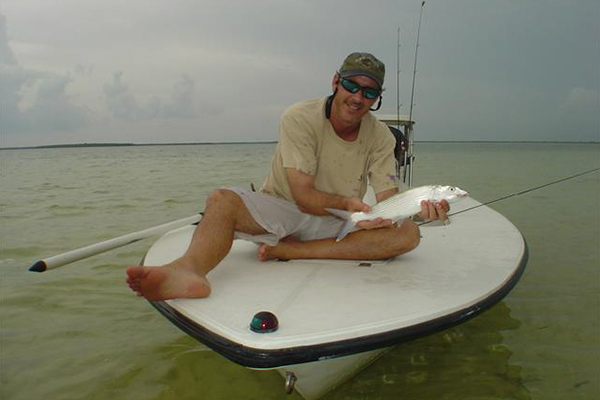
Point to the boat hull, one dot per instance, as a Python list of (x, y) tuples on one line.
[(314, 379), (333, 313)]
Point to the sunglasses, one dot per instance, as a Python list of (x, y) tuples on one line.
[(368, 93)]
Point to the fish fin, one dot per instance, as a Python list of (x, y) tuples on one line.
[(348, 226), (399, 218), (339, 213)]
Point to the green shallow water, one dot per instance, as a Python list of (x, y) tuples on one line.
[(78, 333)]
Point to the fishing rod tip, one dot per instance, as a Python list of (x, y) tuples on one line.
[(39, 266)]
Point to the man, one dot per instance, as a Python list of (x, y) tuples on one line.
[(327, 150)]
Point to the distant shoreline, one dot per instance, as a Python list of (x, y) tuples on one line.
[(86, 145), (83, 145)]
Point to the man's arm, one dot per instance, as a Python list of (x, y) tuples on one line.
[(381, 196), (313, 201)]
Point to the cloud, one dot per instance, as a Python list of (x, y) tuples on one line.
[(53, 108), (485, 73), (123, 105), (85, 70), (6, 55), (182, 104), (580, 114), (32, 100), (582, 102), (120, 101)]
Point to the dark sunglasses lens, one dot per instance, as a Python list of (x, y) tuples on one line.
[(353, 87), (350, 86), (371, 93)]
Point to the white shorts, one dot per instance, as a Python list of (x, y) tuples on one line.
[(282, 218)]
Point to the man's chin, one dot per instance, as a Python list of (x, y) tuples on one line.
[(352, 115)]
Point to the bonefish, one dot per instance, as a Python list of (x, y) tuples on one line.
[(399, 206)]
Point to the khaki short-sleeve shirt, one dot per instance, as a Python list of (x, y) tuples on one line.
[(308, 143)]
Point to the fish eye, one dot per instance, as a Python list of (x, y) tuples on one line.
[(452, 189)]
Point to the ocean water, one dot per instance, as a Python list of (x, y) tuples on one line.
[(77, 332)]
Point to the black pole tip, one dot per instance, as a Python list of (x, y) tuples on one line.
[(39, 266)]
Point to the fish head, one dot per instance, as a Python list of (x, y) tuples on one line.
[(450, 193)]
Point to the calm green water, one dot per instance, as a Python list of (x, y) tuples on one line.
[(77, 332)]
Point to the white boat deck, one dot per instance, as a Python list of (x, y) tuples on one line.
[(457, 270)]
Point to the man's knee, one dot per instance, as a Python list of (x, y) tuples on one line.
[(408, 237), (223, 199), (229, 206)]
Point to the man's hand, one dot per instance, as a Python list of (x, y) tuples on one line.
[(434, 211), (356, 204), (375, 223)]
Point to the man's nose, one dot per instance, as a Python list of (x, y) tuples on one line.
[(358, 96)]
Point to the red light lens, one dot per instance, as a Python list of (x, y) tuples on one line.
[(264, 322)]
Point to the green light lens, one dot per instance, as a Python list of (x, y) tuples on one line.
[(264, 322)]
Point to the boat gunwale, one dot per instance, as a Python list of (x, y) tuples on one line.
[(274, 358)]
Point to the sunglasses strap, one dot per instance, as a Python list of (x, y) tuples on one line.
[(329, 103), (378, 105)]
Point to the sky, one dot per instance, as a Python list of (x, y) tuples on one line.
[(152, 71)]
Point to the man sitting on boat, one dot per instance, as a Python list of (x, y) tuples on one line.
[(327, 150)]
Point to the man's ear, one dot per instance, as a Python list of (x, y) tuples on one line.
[(335, 81)]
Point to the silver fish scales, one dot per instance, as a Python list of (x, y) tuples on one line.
[(399, 206)]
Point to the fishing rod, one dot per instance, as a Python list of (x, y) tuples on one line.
[(519, 193), (401, 166), (398, 105), (101, 247), (412, 94), (411, 139)]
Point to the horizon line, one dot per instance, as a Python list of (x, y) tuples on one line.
[(111, 144)]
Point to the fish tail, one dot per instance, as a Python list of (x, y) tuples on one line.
[(339, 213), (348, 225)]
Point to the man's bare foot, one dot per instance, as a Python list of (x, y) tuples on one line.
[(167, 282), (266, 252)]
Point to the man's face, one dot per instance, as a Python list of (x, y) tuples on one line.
[(351, 107)]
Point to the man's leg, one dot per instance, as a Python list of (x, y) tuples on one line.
[(373, 244), (225, 213)]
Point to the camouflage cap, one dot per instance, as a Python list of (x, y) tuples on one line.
[(363, 64)]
